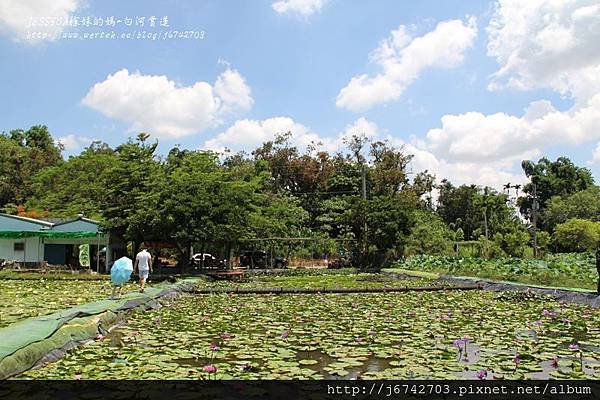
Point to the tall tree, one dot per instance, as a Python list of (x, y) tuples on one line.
[(552, 178), (75, 186), (22, 155), (584, 205)]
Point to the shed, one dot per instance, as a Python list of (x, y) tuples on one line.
[(32, 241)]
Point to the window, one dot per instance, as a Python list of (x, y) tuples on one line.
[(19, 247)]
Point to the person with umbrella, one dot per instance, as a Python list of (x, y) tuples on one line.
[(120, 273)]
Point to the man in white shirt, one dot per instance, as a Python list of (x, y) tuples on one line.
[(143, 263)]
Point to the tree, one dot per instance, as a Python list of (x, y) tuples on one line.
[(576, 235), (552, 178), (75, 186), (429, 235), (22, 155), (584, 205), (388, 174), (195, 201), (131, 182)]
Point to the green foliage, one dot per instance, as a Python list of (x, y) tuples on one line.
[(552, 178), (22, 155), (130, 181), (573, 269), (77, 185), (471, 209), (584, 204), (513, 243), (429, 235), (577, 235)]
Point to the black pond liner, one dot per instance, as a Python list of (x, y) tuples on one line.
[(281, 290), (564, 295)]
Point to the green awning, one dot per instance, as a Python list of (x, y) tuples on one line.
[(48, 234)]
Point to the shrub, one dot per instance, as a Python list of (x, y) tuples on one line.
[(576, 235)]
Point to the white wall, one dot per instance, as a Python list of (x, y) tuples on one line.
[(34, 250)]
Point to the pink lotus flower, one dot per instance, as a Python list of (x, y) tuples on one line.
[(285, 335), (226, 335), (481, 374), (372, 332), (77, 377), (214, 347), (209, 368), (538, 322), (547, 313), (573, 346), (246, 367)]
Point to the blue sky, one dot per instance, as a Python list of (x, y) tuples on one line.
[(448, 80)]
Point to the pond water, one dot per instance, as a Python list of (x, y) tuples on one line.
[(413, 335)]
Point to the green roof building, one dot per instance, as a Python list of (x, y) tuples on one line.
[(77, 242)]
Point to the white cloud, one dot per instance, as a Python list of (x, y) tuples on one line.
[(488, 173), (596, 155), (303, 8), (537, 44), (501, 138), (547, 44), (74, 142), (15, 17), (248, 134), (155, 104), (359, 127), (402, 58)]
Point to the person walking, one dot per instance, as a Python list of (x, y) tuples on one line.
[(143, 264)]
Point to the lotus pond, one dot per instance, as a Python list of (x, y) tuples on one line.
[(420, 335), (354, 280), (25, 298)]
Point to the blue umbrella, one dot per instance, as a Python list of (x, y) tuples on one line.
[(121, 271)]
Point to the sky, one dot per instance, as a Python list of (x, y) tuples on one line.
[(470, 88)]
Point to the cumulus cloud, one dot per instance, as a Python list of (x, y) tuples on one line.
[(302, 8), (160, 106), (73, 142), (546, 44), (537, 44), (596, 155), (402, 58), (492, 174), (16, 15), (361, 126), (248, 134)]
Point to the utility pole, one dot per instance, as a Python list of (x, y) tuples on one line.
[(534, 209), (364, 196), (485, 221)]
